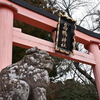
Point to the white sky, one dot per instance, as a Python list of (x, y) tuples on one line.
[(79, 14)]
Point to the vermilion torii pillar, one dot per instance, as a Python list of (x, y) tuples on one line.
[(6, 32), (94, 48), (46, 21)]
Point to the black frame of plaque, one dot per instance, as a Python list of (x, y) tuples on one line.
[(65, 35)]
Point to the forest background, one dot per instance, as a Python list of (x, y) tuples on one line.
[(70, 80)]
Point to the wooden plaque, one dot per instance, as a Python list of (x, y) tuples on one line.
[(65, 34)]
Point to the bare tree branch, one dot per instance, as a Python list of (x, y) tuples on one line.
[(89, 13), (84, 73), (85, 84)]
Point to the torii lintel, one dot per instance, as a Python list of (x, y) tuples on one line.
[(25, 12)]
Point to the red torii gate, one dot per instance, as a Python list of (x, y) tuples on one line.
[(13, 9)]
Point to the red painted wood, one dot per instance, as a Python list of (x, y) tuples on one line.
[(33, 18), (7, 5), (40, 21), (45, 23), (94, 48), (54, 36), (27, 41), (6, 31), (84, 38)]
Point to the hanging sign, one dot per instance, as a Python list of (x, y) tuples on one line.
[(65, 34)]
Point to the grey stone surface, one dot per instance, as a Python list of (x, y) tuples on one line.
[(28, 78)]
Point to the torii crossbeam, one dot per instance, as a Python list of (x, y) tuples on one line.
[(22, 11)]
